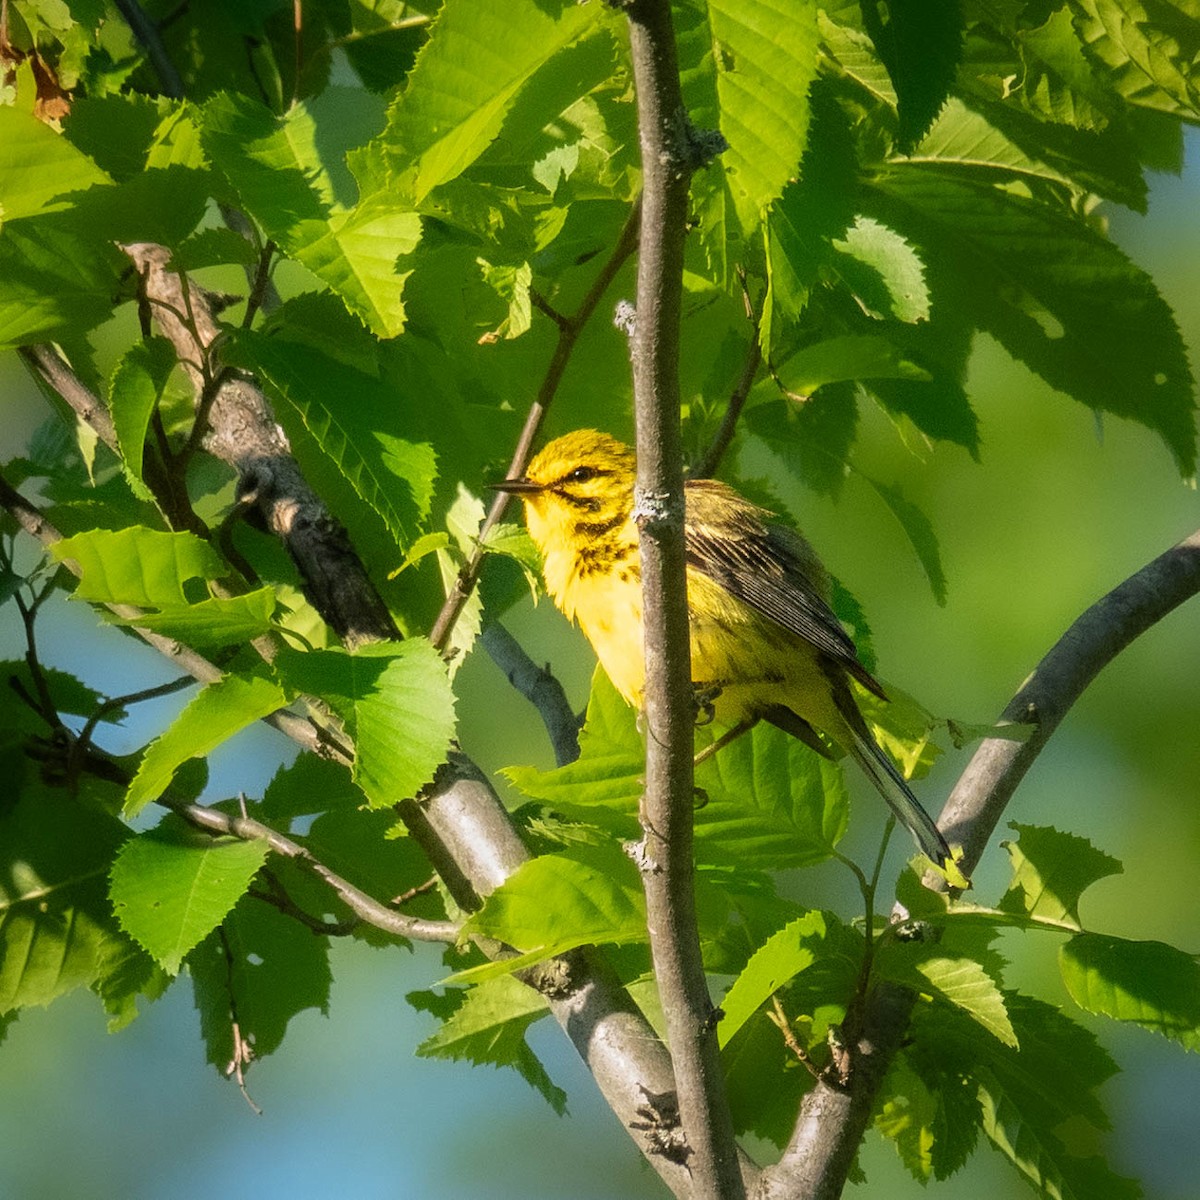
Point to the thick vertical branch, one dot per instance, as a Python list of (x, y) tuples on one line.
[(668, 159)]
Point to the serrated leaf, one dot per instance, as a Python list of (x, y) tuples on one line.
[(127, 972), (171, 886), (38, 165), (465, 80), (262, 966), (311, 784), (69, 694), (554, 903), (920, 43), (134, 391), (775, 963), (883, 271), (53, 282), (488, 1026), (933, 1118), (958, 980), (276, 164), (57, 929), (391, 474), (138, 565), (1150, 59), (814, 436), (839, 359), (1025, 1095), (764, 55), (768, 797), (1051, 870), (218, 621), (907, 1114), (1058, 296), (212, 717), (1149, 983), (397, 699)]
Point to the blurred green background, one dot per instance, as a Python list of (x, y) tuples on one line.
[(1059, 511)]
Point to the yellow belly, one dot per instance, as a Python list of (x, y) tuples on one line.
[(754, 662)]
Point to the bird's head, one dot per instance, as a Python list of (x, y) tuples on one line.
[(579, 486)]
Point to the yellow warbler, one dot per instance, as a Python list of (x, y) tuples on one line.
[(765, 643)]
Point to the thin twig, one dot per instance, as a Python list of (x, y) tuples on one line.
[(780, 1020), (569, 329), (706, 467), (277, 897), (147, 33)]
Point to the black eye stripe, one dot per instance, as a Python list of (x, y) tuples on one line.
[(583, 474)]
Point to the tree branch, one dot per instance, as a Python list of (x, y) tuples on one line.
[(538, 686), (244, 434), (669, 156), (833, 1120), (474, 848), (463, 827), (365, 907)]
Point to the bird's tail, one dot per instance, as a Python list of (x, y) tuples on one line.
[(883, 773)]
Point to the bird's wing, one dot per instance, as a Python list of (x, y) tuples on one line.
[(768, 566)]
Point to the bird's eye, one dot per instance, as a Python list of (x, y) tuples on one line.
[(582, 474)]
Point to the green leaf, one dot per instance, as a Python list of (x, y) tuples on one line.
[(849, 357), (1148, 983), (488, 1026), (135, 390), (38, 165), (57, 930), (920, 43), (391, 474), (69, 695), (311, 784), (171, 886), (1025, 1095), (397, 699), (958, 980), (764, 57), (1149, 51), (815, 435), (919, 532), (219, 621), (1051, 870), (127, 973), (554, 903), (262, 966), (276, 164), (907, 1114), (54, 281), (138, 566), (1058, 296), (769, 798), (466, 78), (883, 271), (775, 963), (210, 718), (933, 1121)]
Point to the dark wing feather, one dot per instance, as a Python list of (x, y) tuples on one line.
[(769, 567)]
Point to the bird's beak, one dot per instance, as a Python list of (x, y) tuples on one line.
[(515, 487)]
